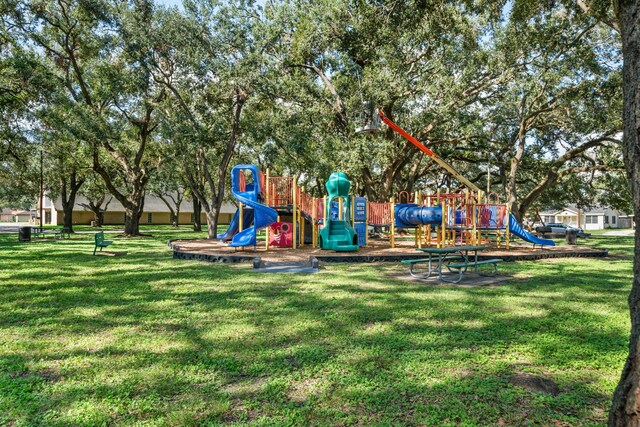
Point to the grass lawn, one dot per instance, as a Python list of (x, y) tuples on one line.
[(145, 339)]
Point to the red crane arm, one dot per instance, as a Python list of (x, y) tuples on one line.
[(428, 152), (406, 136)]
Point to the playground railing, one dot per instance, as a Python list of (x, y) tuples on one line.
[(469, 212), (463, 217), (380, 214), (491, 216), (404, 197), (280, 191), (458, 199), (319, 202), (306, 204)]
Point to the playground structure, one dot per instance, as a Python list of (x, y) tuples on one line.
[(252, 215), (341, 222), (338, 233)]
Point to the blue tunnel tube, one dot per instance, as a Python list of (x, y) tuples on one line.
[(409, 215)]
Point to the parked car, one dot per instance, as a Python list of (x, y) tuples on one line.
[(558, 228)]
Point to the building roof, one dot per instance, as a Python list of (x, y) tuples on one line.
[(597, 210), (152, 204), (13, 211)]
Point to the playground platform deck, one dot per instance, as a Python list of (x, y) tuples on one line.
[(377, 251)]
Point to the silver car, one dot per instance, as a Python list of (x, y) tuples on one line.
[(560, 228)]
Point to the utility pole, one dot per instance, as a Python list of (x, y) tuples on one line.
[(488, 176), (41, 187)]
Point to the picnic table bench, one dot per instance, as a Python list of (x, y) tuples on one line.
[(100, 242), (462, 267), (456, 259), (431, 268)]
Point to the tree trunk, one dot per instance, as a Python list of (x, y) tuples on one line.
[(212, 209), (178, 201), (511, 188), (197, 213), (133, 202), (174, 217), (99, 218), (134, 171), (216, 183), (67, 208), (134, 212), (172, 212), (212, 223), (174, 206), (133, 208), (625, 407), (69, 200), (132, 222), (96, 207)]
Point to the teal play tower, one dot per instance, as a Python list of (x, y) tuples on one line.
[(338, 234)]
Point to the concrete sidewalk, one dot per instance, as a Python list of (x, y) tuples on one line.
[(14, 229), (619, 233)]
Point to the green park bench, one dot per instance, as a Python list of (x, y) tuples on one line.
[(100, 242)]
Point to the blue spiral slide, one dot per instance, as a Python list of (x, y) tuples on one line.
[(234, 225), (255, 216)]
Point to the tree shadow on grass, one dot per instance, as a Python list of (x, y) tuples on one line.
[(154, 337)]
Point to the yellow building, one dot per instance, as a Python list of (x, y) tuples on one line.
[(155, 212)]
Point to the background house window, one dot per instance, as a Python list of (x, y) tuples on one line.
[(548, 219), (606, 219), (592, 219), (613, 219), (149, 218)]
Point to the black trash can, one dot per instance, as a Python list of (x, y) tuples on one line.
[(24, 234), (572, 237)]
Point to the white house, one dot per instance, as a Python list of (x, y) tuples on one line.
[(588, 219)]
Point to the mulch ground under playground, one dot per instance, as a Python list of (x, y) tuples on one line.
[(376, 251)]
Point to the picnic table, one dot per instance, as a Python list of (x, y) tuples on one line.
[(57, 233), (456, 259)]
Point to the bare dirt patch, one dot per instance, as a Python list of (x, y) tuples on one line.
[(245, 387), (109, 253), (535, 384), (300, 391), (469, 279)]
